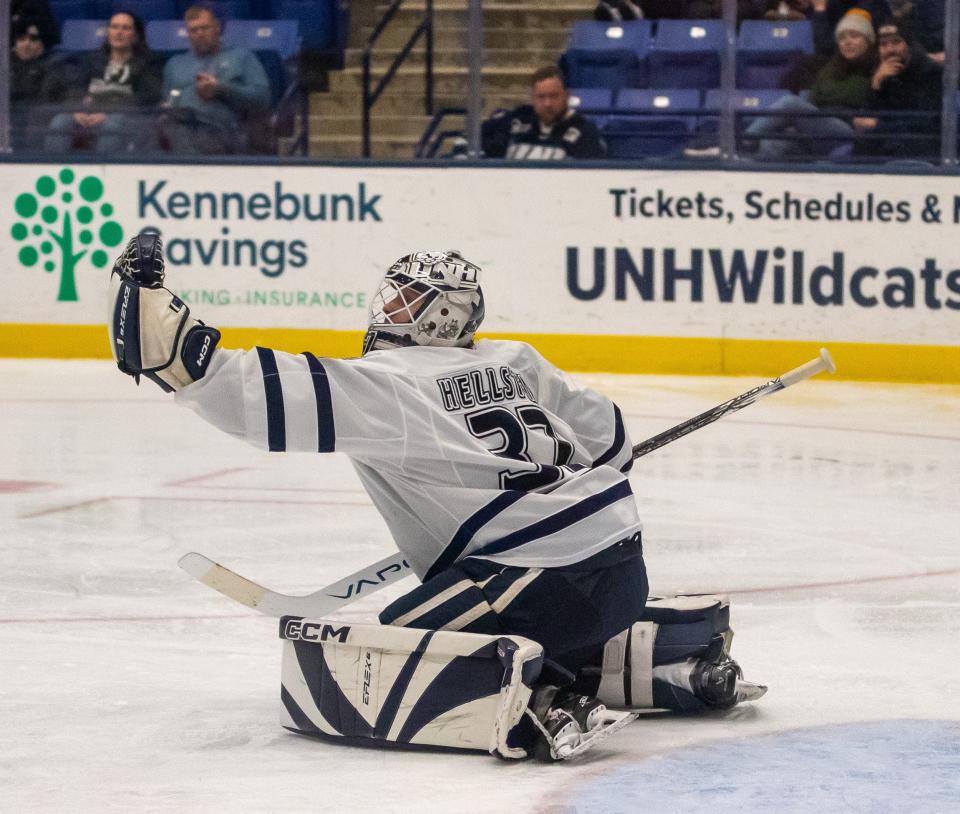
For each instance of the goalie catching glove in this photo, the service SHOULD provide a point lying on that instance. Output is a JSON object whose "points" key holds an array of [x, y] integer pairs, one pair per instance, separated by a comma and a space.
{"points": [[151, 331]]}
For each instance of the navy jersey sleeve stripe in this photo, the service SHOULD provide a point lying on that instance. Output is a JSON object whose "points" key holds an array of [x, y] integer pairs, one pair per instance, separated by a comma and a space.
{"points": [[276, 418], [468, 530], [619, 436], [326, 431], [559, 521]]}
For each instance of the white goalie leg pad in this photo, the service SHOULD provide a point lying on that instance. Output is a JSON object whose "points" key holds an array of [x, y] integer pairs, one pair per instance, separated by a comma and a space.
{"points": [[675, 630], [152, 334], [626, 678], [406, 686]]}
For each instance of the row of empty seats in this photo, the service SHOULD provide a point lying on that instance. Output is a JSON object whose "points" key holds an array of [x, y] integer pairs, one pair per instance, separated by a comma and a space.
{"points": [[681, 53], [323, 24], [647, 123]]}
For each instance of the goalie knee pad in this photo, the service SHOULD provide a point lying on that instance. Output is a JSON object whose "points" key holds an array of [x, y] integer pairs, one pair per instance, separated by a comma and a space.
{"points": [[649, 664], [151, 331], [385, 685]]}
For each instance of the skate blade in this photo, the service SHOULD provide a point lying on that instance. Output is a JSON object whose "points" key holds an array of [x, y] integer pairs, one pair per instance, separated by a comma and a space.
{"points": [[748, 691], [612, 722]]}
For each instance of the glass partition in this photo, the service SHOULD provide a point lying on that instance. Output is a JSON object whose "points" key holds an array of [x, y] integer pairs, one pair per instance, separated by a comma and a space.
{"points": [[798, 82]]}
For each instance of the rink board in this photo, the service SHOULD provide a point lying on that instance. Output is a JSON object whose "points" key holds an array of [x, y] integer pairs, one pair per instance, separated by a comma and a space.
{"points": [[613, 269]]}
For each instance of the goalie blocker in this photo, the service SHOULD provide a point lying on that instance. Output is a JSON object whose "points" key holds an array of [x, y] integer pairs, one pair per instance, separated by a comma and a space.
{"points": [[151, 331]]}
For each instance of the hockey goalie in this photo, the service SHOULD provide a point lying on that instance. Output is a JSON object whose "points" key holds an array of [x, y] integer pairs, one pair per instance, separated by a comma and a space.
{"points": [[504, 484]]}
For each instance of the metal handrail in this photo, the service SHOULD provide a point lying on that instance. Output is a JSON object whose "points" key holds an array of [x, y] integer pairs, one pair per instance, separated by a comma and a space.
{"points": [[426, 149], [370, 97]]}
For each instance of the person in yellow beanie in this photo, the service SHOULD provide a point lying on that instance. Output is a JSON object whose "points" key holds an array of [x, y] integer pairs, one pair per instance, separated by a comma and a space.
{"points": [[842, 86]]}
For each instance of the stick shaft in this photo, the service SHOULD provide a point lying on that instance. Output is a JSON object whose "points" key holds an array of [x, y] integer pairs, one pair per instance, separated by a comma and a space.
{"points": [[798, 374]]}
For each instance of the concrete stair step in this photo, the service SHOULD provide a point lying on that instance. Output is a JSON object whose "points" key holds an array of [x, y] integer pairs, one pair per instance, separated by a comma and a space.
{"points": [[454, 57], [383, 147], [383, 125], [342, 103], [447, 80], [495, 15], [394, 37]]}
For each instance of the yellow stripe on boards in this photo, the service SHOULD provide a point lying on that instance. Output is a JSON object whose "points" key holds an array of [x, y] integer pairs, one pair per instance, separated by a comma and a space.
{"points": [[594, 354]]}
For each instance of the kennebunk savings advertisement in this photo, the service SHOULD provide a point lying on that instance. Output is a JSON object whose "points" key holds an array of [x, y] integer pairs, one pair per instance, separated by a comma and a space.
{"points": [[617, 253]]}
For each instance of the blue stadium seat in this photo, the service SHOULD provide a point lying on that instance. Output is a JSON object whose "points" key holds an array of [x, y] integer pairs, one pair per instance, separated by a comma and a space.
{"points": [[686, 54], [767, 50], [646, 128], [145, 9], [82, 35], [228, 9], [323, 23], [587, 100], [233, 9], [743, 100], [73, 10], [167, 36], [636, 137], [607, 55], [661, 100], [279, 36]]}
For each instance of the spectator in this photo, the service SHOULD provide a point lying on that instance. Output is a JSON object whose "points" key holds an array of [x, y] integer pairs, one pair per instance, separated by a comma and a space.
{"points": [[827, 13], [906, 79], [842, 84], [930, 18], [35, 82], [37, 13], [211, 90], [120, 85], [547, 129]]}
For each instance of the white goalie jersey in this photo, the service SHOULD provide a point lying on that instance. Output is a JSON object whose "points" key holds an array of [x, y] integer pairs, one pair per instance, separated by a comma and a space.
{"points": [[488, 451]]}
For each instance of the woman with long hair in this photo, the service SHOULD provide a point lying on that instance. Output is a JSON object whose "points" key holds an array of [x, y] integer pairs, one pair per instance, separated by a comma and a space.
{"points": [[116, 83]]}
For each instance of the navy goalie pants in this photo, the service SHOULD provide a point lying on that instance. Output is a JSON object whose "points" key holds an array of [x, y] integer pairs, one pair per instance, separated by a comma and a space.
{"points": [[571, 610]]}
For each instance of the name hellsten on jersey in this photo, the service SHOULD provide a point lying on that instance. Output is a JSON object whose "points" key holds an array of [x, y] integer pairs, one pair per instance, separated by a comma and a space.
{"points": [[488, 385]]}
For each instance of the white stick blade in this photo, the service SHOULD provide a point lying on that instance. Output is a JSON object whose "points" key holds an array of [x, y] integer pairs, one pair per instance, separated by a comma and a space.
{"points": [[222, 579]]}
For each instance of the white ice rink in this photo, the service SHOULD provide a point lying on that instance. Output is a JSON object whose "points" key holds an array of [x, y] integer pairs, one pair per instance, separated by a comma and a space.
{"points": [[830, 512]]}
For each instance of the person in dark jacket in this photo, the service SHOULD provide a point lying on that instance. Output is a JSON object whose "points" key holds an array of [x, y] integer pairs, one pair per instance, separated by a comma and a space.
{"points": [[546, 129], [906, 80], [929, 16], [118, 84], [35, 82], [37, 13]]}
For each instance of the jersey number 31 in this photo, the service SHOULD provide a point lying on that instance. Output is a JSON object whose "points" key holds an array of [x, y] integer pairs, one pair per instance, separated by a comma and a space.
{"points": [[512, 433]]}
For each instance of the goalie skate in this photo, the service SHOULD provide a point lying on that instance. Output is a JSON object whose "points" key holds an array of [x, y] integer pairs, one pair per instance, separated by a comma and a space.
{"points": [[574, 724], [720, 683]]}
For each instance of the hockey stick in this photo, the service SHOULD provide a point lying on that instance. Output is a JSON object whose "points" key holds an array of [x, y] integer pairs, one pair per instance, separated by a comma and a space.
{"points": [[798, 374], [319, 603], [393, 568]]}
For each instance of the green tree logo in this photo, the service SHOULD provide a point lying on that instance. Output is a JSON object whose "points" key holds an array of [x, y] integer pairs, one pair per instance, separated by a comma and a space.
{"points": [[40, 213]]}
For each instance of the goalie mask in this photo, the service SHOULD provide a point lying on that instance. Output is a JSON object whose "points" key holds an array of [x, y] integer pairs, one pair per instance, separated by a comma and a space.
{"points": [[426, 298]]}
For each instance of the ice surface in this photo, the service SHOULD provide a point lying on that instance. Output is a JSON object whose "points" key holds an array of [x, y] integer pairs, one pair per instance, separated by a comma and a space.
{"points": [[829, 511]]}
